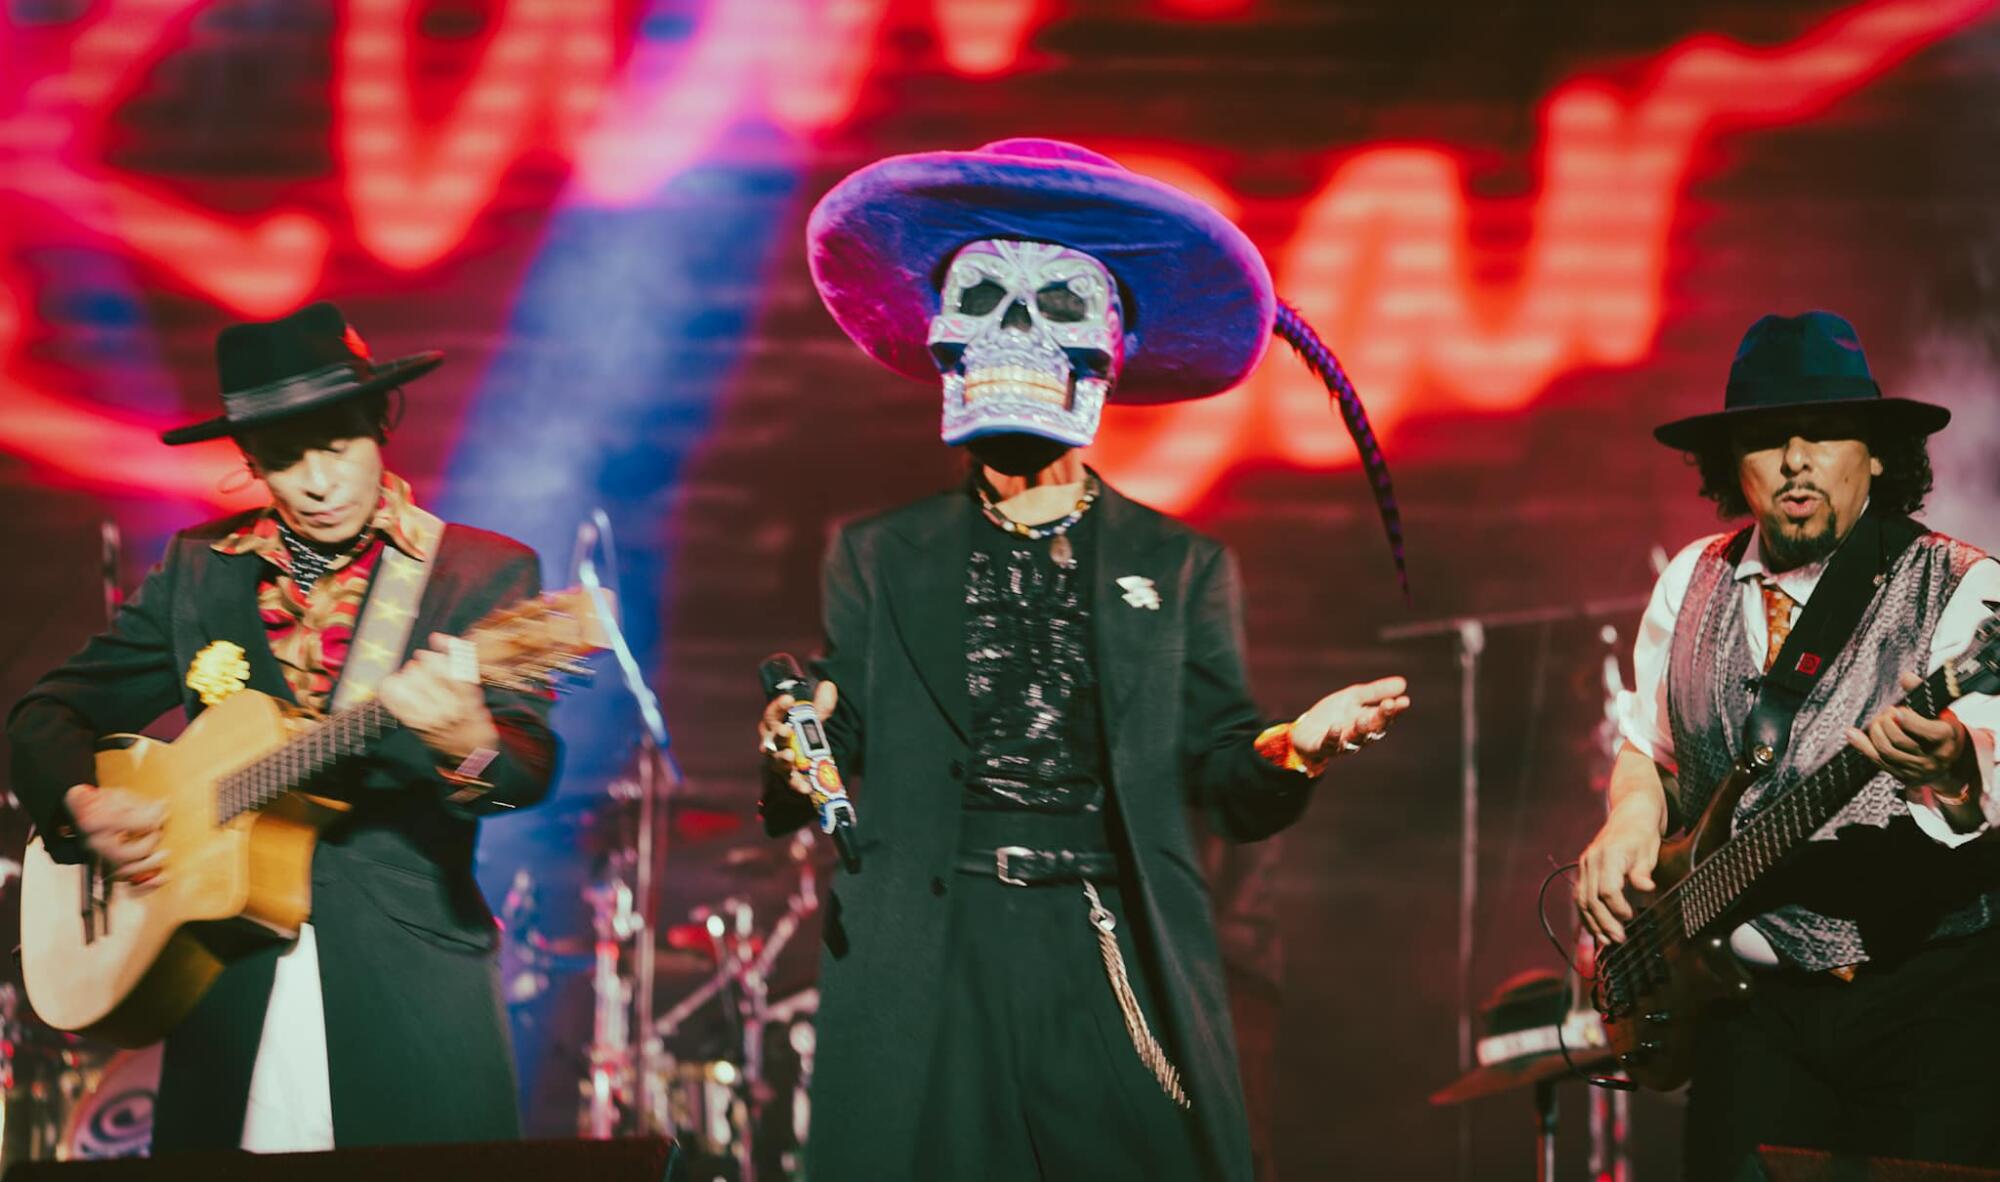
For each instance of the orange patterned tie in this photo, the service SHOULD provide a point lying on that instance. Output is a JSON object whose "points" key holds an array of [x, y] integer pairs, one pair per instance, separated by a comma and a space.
{"points": [[1777, 622]]}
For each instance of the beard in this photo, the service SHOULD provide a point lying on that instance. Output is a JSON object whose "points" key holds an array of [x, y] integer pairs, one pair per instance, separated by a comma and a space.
{"points": [[1016, 453], [1789, 546]]}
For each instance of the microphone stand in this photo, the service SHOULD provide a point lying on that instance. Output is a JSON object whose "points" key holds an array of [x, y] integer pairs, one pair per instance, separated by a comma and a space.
{"points": [[658, 776], [109, 550], [1468, 635]]}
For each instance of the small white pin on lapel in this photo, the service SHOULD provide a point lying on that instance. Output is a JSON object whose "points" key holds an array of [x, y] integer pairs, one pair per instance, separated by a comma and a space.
{"points": [[1140, 592]]}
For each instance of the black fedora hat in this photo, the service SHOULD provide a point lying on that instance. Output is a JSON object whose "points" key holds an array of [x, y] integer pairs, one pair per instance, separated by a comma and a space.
{"points": [[1786, 363], [1530, 1030], [275, 369]]}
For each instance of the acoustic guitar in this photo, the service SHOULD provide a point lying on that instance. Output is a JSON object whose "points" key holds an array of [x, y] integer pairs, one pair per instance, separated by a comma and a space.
{"points": [[1674, 963], [125, 966]]}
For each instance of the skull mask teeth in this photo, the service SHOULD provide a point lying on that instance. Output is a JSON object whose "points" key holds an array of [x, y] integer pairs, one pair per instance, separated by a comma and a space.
{"points": [[1029, 338]]}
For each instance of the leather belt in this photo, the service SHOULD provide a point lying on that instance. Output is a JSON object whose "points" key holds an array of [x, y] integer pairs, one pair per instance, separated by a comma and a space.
{"points": [[1018, 865]]}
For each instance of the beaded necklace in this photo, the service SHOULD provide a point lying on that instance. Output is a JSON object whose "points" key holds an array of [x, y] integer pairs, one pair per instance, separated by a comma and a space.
{"points": [[1061, 551]]}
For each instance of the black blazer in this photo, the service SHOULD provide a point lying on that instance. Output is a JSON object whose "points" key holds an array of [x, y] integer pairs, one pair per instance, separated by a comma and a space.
{"points": [[417, 1042], [1179, 724]]}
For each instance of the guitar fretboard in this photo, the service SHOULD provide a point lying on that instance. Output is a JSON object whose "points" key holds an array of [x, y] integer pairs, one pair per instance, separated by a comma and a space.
{"points": [[348, 732]]}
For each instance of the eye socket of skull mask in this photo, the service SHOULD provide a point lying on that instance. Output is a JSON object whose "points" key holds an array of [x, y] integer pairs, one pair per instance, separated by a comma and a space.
{"points": [[1029, 337]]}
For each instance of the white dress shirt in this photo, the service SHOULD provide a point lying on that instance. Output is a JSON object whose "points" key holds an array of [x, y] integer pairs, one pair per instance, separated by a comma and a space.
{"points": [[291, 1105], [1642, 710]]}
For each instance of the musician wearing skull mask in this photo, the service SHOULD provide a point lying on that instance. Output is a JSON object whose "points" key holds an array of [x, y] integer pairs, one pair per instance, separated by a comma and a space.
{"points": [[1030, 676]]}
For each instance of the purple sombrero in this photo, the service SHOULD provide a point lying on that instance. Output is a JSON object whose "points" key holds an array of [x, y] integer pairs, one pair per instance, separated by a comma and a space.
{"points": [[1197, 297], [1197, 300]]}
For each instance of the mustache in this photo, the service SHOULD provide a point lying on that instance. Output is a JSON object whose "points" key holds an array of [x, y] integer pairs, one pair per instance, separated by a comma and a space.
{"points": [[1792, 487]]}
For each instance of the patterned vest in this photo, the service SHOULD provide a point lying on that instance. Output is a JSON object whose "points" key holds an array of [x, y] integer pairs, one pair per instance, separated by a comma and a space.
{"points": [[1869, 884]]}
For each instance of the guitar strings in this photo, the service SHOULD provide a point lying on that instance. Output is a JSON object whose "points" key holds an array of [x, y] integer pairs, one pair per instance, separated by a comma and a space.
{"points": [[1786, 809]]}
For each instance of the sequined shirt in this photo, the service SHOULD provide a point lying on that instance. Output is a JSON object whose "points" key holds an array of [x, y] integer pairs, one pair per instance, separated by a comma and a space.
{"points": [[310, 632], [1038, 740]]}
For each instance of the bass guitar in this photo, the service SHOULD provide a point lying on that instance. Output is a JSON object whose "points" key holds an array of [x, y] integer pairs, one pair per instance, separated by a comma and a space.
{"points": [[1653, 987]]}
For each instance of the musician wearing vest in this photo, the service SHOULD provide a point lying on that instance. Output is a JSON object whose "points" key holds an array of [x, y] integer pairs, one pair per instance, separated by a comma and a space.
{"points": [[1872, 1020], [382, 1022], [1033, 678]]}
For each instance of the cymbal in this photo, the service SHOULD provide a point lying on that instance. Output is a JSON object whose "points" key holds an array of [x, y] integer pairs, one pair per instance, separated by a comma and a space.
{"points": [[765, 861], [692, 823], [668, 958]]}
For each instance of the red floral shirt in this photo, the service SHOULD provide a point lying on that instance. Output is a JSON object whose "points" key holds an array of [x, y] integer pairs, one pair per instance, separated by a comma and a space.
{"points": [[310, 634]]}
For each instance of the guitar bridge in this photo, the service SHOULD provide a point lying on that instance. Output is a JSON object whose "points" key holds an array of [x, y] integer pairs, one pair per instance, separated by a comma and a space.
{"points": [[96, 901]]}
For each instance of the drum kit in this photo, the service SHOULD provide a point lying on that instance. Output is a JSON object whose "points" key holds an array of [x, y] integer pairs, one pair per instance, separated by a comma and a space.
{"points": [[702, 1071], [723, 1067], [723, 1059]]}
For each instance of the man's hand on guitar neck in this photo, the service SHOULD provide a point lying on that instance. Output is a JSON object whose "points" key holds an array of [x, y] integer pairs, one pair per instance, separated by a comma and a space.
{"points": [[434, 698], [1925, 753], [123, 829], [1626, 849]]}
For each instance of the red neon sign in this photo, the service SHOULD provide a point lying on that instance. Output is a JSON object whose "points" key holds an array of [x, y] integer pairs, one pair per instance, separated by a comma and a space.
{"points": [[1378, 259], [1380, 263]]}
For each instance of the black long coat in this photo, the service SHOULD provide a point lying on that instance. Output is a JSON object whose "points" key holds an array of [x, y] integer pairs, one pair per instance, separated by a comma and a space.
{"points": [[1179, 725], [417, 1046]]}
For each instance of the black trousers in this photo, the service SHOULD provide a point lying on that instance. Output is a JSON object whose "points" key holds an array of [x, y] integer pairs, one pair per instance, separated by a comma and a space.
{"points": [[1033, 1076], [1902, 1062]]}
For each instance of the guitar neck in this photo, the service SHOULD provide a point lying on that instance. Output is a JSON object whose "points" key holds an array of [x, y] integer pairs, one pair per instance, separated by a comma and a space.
{"points": [[1791, 818], [347, 733], [525, 647]]}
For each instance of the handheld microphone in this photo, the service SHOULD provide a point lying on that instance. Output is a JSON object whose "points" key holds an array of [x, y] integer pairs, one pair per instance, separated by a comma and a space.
{"points": [[812, 755]]}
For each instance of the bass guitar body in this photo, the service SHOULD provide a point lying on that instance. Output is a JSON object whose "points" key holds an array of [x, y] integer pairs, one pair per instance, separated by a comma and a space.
{"points": [[125, 965], [1670, 987], [1653, 988]]}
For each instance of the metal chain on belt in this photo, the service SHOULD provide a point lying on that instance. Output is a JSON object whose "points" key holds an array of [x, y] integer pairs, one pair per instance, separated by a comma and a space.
{"points": [[1151, 1053]]}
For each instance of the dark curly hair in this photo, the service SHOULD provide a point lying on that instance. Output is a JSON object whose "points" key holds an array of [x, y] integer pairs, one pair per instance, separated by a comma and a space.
{"points": [[1901, 488]]}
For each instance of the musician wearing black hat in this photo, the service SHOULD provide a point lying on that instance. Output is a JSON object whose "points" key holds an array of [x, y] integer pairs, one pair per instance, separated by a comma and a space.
{"points": [[1873, 1020], [382, 1022]]}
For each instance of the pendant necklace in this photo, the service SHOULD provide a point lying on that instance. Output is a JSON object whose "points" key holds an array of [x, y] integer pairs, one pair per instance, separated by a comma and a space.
{"points": [[1061, 550]]}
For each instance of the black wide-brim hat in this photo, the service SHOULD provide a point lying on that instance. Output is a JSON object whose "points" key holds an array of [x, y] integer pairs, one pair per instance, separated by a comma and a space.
{"points": [[1789, 363], [1518, 1043], [274, 370]]}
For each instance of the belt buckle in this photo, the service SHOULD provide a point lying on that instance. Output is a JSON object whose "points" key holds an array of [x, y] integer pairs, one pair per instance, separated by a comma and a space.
{"points": [[1000, 857]]}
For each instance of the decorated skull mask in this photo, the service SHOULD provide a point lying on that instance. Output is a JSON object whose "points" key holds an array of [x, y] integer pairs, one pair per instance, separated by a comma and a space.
{"points": [[1029, 337]]}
